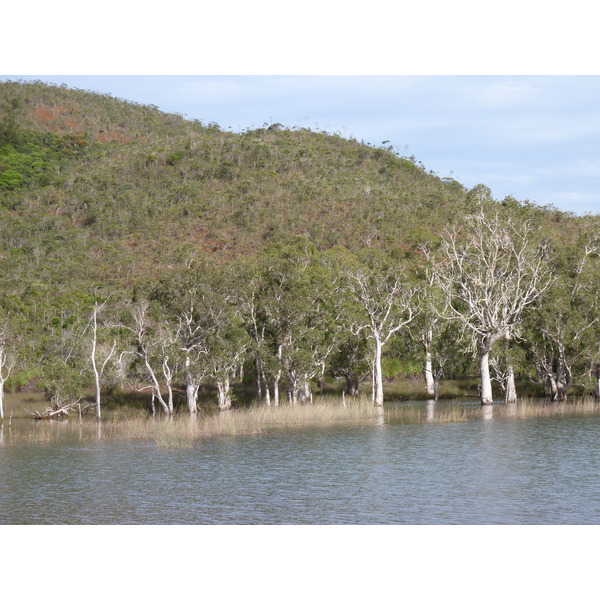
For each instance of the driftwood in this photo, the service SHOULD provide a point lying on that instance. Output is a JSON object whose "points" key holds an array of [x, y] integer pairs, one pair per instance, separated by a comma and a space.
{"points": [[55, 412]]}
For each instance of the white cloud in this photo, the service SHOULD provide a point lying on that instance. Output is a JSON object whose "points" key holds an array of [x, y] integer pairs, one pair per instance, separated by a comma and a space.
{"points": [[494, 94]]}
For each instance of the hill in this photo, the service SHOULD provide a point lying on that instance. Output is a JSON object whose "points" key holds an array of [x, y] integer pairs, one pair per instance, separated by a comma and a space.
{"points": [[118, 175], [98, 192]]}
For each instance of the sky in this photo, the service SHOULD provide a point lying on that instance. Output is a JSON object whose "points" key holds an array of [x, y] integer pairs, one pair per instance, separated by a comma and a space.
{"points": [[536, 138]]}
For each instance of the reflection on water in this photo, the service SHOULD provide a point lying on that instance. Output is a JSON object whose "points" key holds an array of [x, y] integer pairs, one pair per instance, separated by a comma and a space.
{"points": [[487, 412], [430, 410], [481, 470]]}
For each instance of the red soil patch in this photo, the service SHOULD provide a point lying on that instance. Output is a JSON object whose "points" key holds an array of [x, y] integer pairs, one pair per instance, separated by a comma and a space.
{"points": [[55, 119], [43, 114], [51, 119]]}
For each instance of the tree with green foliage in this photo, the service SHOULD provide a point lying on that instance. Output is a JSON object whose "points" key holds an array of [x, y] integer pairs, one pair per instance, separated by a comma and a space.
{"points": [[438, 341], [228, 342], [155, 349], [350, 361], [256, 326], [589, 307], [430, 327], [561, 333], [292, 317], [62, 351], [508, 360], [185, 294], [385, 301], [446, 346]]}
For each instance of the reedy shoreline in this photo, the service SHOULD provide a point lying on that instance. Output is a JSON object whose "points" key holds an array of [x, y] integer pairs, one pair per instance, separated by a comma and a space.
{"points": [[184, 430]]}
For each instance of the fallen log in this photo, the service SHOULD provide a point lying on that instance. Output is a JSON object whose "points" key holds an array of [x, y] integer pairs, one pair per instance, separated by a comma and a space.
{"points": [[55, 412]]}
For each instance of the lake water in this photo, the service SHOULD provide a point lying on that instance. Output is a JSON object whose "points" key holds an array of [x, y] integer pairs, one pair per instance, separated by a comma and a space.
{"points": [[482, 471]]}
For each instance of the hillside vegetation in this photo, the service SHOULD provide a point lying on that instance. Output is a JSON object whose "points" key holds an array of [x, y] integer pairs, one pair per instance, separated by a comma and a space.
{"points": [[101, 198], [118, 172]]}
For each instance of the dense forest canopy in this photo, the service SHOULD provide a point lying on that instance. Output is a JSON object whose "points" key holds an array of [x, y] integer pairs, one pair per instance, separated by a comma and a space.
{"points": [[141, 247]]}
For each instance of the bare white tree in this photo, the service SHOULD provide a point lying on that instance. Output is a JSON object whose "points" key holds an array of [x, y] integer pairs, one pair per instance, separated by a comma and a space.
{"points": [[100, 355], [388, 303], [6, 365], [490, 271], [150, 343], [191, 334]]}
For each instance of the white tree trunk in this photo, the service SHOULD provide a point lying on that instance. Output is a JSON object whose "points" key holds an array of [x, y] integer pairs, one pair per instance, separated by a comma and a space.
{"points": [[96, 374], [553, 388], [304, 393], [191, 387], [155, 384], [293, 387], [276, 379], [168, 374], [170, 396], [486, 380], [94, 366], [223, 392], [373, 384], [1, 398], [378, 373], [558, 389], [510, 393], [97, 378], [259, 393], [169, 401], [266, 388], [191, 392], [276, 389], [510, 390], [429, 382]]}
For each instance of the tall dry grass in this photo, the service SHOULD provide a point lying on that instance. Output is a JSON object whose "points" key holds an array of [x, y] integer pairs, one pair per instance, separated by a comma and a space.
{"points": [[255, 420], [534, 407], [185, 430]]}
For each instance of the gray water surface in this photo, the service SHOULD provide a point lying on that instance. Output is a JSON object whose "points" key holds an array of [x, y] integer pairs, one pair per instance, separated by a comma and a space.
{"points": [[500, 471]]}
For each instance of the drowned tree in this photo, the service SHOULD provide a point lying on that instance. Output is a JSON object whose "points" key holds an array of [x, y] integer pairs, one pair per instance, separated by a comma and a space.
{"points": [[490, 269]]}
